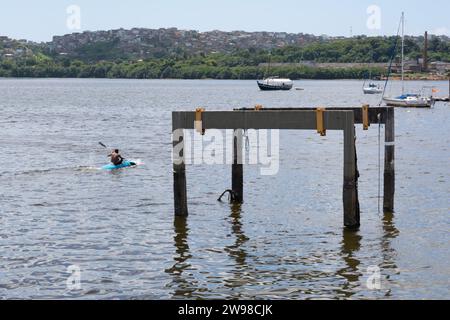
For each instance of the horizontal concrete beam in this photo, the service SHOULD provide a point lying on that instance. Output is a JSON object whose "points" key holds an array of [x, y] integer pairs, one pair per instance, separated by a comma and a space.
{"points": [[264, 119], [373, 112]]}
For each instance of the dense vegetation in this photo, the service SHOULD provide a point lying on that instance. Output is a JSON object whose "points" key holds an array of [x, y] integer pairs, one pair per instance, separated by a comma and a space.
{"points": [[102, 61], [363, 49], [166, 69]]}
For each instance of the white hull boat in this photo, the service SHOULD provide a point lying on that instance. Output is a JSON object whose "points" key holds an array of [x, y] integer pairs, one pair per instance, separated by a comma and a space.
{"points": [[373, 89], [410, 101], [274, 83]]}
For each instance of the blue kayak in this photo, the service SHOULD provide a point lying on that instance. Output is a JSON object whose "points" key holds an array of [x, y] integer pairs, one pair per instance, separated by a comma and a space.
{"points": [[124, 164]]}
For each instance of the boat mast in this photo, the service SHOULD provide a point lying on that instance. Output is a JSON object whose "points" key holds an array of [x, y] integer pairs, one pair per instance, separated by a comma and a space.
{"points": [[268, 66], [403, 53]]}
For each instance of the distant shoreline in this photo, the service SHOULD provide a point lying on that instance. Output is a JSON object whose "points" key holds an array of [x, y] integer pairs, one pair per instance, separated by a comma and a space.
{"points": [[393, 78]]}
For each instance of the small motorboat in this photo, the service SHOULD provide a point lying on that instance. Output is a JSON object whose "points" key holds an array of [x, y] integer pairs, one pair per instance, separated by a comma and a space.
{"points": [[275, 83], [373, 89]]}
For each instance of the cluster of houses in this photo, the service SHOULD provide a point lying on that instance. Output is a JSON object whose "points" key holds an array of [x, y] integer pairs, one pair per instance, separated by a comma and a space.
{"points": [[144, 40], [143, 43], [10, 48]]}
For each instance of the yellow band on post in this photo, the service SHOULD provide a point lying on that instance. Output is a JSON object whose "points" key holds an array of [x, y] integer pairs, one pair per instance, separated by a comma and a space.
{"points": [[320, 122], [199, 121], [365, 117]]}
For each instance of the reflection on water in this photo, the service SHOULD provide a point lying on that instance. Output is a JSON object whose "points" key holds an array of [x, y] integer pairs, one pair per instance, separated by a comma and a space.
{"points": [[390, 232], [243, 273], [240, 271], [180, 283], [351, 244], [355, 269], [183, 284], [236, 251]]}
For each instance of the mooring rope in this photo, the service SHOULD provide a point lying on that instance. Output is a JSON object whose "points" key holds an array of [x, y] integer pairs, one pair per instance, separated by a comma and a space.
{"points": [[231, 196], [247, 140], [245, 133]]}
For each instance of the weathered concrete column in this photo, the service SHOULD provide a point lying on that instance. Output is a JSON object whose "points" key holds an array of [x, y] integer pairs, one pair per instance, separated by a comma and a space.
{"points": [[350, 194], [237, 171], [389, 161], [179, 167]]}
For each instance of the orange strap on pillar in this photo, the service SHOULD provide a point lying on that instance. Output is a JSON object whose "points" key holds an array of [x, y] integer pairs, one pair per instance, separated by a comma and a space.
{"points": [[258, 107], [365, 116], [199, 121], [320, 122]]}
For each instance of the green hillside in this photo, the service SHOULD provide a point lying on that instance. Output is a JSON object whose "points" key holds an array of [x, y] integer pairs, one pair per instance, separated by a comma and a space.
{"points": [[104, 60]]}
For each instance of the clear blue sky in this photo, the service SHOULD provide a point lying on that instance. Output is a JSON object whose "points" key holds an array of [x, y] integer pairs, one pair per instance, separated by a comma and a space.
{"points": [[40, 20]]}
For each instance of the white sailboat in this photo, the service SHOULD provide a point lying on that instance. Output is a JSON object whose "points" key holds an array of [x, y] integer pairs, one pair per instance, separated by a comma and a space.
{"points": [[274, 83], [408, 99], [372, 88], [411, 100]]}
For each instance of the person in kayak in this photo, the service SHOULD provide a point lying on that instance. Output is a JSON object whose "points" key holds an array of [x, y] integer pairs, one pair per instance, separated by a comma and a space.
{"points": [[116, 158]]}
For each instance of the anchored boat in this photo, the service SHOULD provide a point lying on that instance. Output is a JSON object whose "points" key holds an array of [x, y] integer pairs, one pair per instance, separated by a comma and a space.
{"points": [[275, 83], [372, 89], [408, 99]]}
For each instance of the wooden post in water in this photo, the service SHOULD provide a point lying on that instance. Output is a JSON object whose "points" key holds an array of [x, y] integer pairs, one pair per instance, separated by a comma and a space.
{"points": [[389, 161], [179, 167], [237, 171], [350, 194]]}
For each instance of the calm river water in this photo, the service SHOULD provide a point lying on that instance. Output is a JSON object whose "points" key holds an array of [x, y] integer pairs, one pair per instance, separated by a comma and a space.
{"points": [[58, 212]]}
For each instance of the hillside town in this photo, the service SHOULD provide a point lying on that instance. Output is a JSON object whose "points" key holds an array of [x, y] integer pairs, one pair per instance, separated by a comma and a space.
{"points": [[141, 43], [146, 41]]}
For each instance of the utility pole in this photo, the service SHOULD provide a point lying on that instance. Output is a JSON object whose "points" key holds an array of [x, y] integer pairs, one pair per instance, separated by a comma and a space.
{"points": [[425, 53], [403, 53]]}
